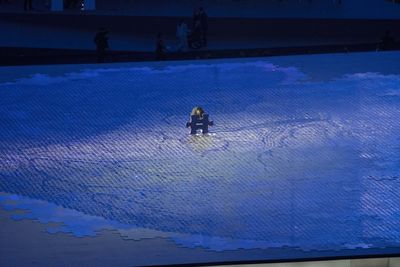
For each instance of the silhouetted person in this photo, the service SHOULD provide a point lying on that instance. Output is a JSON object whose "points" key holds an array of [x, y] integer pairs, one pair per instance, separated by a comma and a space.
{"points": [[195, 40], [28, 5], [73, 3], [160, 47], [204, 25], [101, 41], [182, 35], [388, 41], [196, 16]]}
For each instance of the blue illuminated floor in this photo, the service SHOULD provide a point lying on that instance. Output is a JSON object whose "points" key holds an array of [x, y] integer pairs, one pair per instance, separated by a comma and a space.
{"points": [[304, 156]]}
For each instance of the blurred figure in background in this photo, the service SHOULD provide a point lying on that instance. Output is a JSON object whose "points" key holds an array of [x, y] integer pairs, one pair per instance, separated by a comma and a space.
{"points": [[101, 41], [72, 3], [195, 39], [182, 35], [387, 41], [198, 34], [160, 47], [204, 25], [28, 5], [196, 17]]}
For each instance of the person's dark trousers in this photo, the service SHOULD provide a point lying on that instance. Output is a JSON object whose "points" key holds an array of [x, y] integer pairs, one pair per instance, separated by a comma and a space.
{"points": [[204, 37], [101, 55], [28, 5], [160, 55]]}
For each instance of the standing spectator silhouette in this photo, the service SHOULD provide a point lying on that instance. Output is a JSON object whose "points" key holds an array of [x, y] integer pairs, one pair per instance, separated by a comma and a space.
{"points": [[196, 17], [195, 40], [160, 47], [72, 3], [388, 41], [204, 25], [198, 35], [182, 35], [101, 41], [28, 5]]}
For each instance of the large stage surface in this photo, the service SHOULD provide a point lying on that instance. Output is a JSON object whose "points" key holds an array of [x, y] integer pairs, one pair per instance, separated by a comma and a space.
{"points": [[97, 167]]}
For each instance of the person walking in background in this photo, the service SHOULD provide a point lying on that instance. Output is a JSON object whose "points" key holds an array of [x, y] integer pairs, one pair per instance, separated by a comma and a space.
{"points": [[160, 47], [196, 17], [387, 41], [195, 39], [73, 4], [101, 41], [204, 25], [28, 5], [182, 35]]}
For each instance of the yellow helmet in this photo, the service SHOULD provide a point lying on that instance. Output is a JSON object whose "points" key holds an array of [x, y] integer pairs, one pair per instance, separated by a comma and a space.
{"points": [[198, 111]]}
